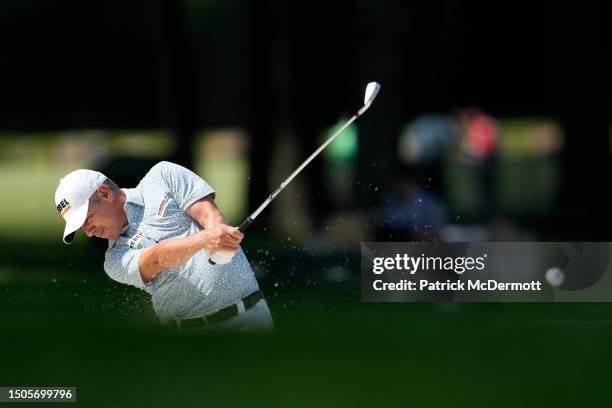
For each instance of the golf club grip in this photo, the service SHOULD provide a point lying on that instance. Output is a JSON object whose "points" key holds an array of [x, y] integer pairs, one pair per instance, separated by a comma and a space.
{"points": [[245, 224]]}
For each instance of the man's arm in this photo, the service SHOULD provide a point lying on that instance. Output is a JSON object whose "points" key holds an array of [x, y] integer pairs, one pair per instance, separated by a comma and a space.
{"points": [[216, 237], [205, 212], [175, 252]]}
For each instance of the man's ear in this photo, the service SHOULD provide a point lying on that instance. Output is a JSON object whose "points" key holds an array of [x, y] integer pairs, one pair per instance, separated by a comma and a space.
{"points": [[104, 192]]}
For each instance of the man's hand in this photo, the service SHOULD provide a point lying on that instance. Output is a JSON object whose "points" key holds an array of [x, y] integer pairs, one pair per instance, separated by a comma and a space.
{"points": [[221, 238]]}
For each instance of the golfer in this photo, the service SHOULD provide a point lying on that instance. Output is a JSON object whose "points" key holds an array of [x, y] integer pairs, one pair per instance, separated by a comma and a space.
{"points": [[161, 235]]}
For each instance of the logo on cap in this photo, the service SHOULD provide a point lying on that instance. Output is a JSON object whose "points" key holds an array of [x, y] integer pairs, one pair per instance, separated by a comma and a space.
{"points": [[63, 207]]}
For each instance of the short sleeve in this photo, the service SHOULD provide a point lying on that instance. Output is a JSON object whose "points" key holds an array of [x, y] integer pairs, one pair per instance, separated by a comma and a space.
{"points": [[121, 264], [186, 186]]}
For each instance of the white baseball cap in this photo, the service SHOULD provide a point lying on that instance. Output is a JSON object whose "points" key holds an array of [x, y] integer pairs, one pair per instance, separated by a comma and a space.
{"points": [[72, 198]]}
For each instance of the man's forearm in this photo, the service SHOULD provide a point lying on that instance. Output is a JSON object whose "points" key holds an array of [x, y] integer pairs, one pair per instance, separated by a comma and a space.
{"points": [[216, 236], [213, 218], [206, 213], [169, 254]]}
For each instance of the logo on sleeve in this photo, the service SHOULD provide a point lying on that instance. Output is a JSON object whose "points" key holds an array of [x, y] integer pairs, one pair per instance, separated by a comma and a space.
{"points": [[136, 241], [164, 203], [63, 207]]}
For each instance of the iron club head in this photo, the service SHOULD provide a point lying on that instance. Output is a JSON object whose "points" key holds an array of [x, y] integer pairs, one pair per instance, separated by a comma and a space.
{"points": [[371, 92]]}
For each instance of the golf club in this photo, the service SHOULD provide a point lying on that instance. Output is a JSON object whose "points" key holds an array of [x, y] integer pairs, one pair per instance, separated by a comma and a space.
{"points": [[371, 91]]}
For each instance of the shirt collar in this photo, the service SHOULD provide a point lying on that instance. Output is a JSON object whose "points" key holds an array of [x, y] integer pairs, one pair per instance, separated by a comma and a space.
{"points": [[133, 196]]}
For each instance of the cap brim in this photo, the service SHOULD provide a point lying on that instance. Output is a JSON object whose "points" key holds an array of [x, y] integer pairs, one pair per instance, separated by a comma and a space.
{"points": [[74, 222]]}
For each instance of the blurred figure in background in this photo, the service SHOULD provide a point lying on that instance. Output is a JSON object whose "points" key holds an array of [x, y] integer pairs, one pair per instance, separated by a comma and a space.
{"points": [[477, 149], [412, 210]]}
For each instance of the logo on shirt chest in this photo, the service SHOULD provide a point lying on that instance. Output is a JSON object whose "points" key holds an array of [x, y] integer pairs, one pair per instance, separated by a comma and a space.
{"points": [[136, 241], [164, 204]]}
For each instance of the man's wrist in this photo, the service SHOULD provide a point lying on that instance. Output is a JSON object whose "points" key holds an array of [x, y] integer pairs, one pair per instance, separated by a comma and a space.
{"points": [[202, 240]]}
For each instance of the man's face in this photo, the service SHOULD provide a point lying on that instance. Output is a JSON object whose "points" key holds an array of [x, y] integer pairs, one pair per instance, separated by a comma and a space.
{"points": [[103, 215]]}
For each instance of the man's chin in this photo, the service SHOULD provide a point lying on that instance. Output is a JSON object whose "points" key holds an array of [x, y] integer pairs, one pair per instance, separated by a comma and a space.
{"points": [[111, 237]]}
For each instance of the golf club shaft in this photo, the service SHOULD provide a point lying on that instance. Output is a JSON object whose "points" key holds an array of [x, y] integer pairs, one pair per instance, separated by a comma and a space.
{"points": [[249, 220], [371, 91]]}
